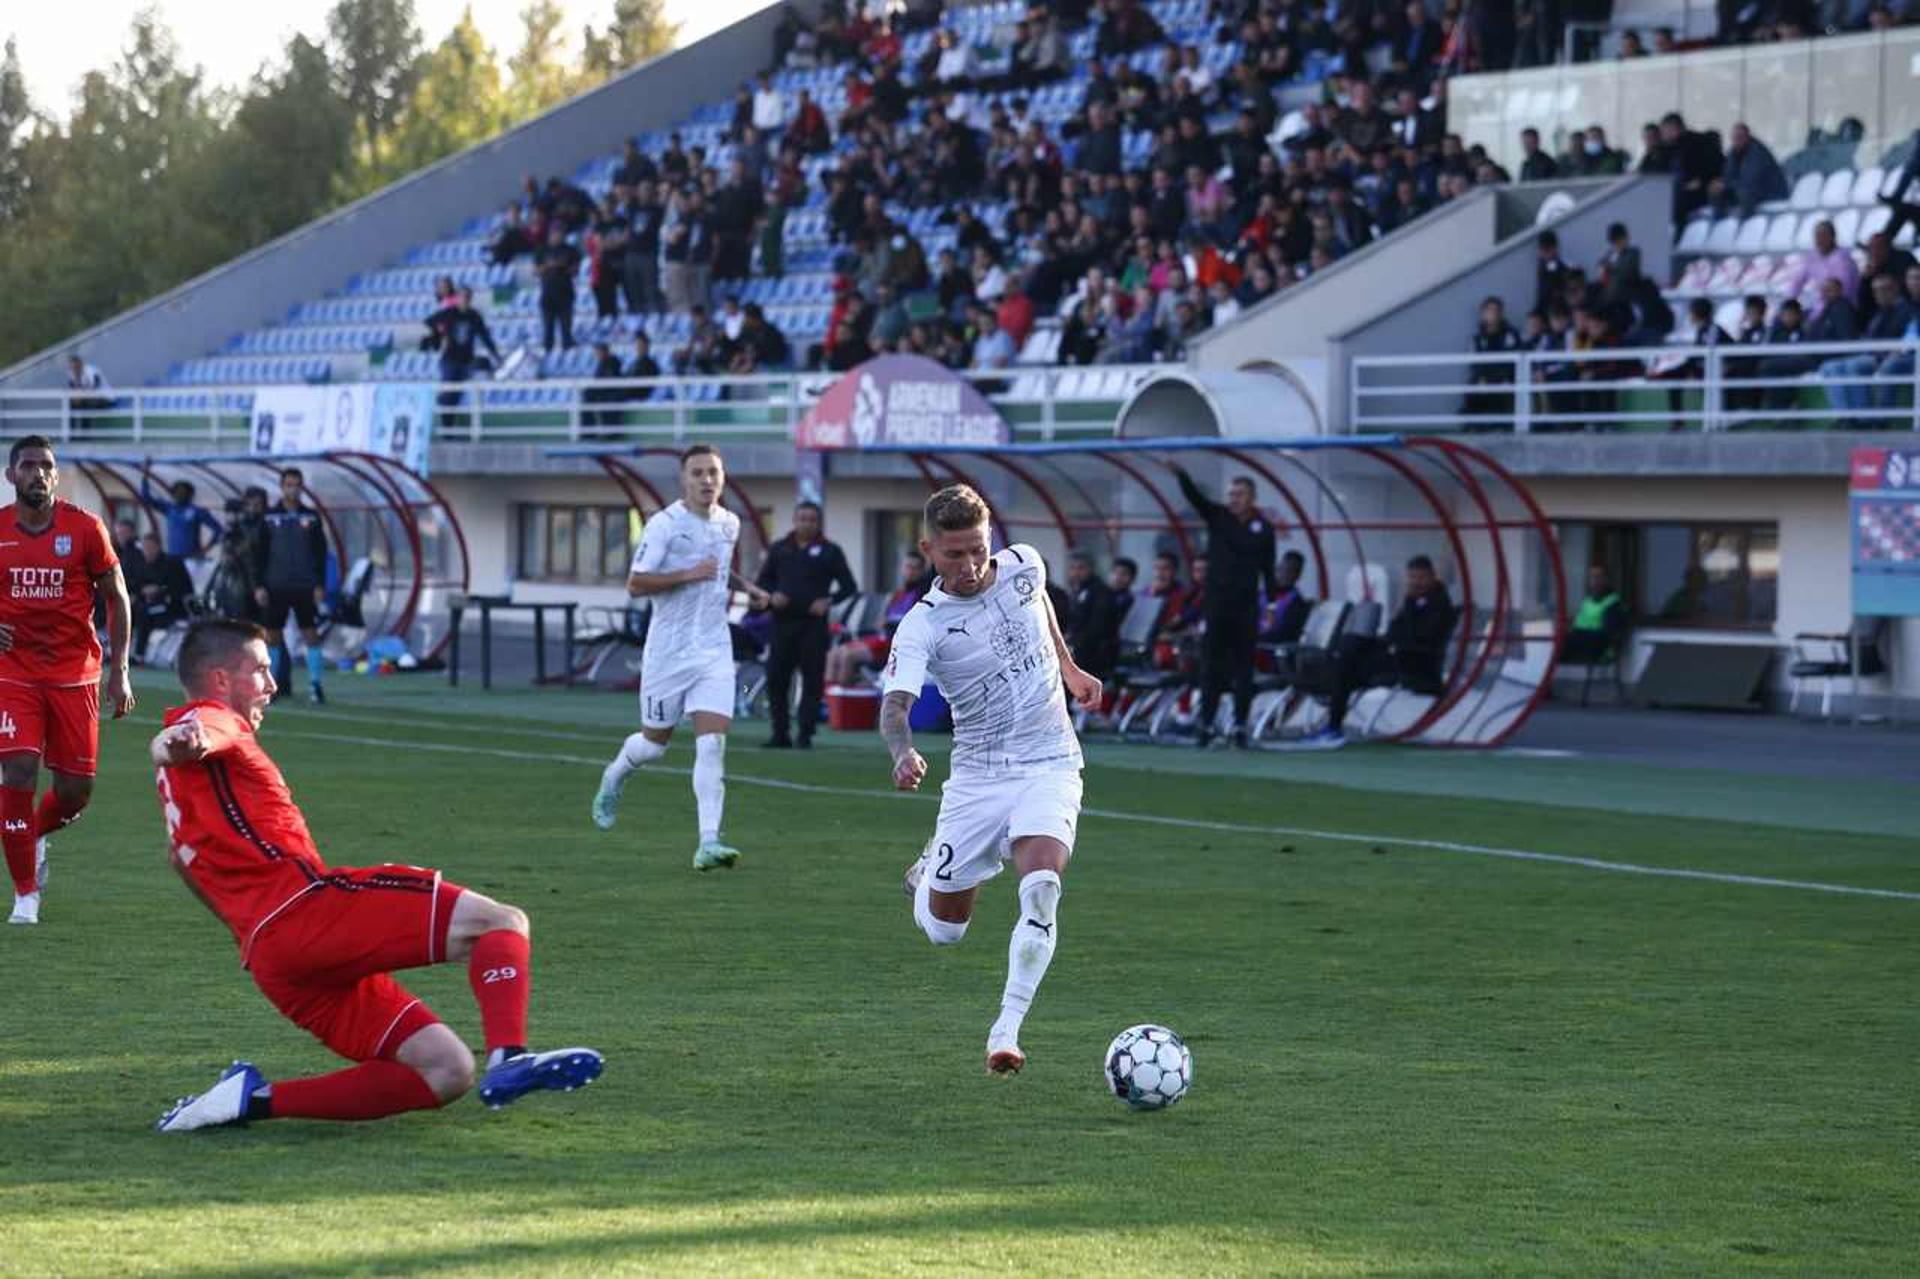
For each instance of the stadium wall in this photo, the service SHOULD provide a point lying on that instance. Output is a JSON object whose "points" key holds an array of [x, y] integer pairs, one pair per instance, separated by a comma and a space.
{"points": [[259, 288], [1781, 90]]}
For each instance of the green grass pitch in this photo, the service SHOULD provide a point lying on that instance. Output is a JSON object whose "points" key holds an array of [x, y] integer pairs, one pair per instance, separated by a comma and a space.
{"points": [[1408, 1060]]}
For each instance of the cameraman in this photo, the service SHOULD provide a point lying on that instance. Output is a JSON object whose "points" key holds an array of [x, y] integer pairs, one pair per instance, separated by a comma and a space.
{"points": [[234, 579]]}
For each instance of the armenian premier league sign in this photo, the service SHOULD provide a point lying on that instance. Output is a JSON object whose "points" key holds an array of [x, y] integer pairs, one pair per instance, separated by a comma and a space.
{"points": [[901, 399]]}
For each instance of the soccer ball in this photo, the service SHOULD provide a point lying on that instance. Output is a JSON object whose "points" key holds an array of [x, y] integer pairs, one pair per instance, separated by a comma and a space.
{"points": [[1148, 1067]]}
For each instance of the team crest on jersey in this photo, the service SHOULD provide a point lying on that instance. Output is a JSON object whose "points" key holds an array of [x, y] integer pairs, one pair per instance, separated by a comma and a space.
{"points": [[1009, 640], [62, 544], [1025, 585]]}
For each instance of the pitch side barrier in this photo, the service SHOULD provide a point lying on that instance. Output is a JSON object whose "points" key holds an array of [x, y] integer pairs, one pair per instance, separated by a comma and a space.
{"points": [[396, 541], [1356, 508]]}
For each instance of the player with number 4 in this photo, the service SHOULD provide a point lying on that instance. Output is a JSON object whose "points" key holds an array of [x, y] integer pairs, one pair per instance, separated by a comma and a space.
{"points": [[986, 634]]}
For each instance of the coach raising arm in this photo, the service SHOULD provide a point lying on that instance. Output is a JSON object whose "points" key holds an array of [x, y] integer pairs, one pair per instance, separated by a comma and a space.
{"points": [[1239, 561]]}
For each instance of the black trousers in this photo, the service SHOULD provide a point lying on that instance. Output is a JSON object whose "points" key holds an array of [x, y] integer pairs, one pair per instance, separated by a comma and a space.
{"points": [[556, 315], [1226, 656], [798, 643]]}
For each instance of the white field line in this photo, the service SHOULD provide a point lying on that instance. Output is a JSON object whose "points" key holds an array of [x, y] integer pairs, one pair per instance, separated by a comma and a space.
{"points": [[1149, 819]]}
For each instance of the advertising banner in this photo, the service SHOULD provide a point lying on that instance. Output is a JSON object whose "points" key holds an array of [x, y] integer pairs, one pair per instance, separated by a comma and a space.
{"points": [[391, 420], [1885, 534], [901, 399]]}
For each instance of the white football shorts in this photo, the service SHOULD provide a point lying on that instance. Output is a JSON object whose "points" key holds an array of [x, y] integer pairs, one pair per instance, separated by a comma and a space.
{"points": [[980, 817], [668, 696]]}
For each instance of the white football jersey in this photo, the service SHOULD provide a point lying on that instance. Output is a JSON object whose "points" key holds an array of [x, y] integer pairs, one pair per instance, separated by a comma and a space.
{"points": [[992, 657], [689, 623]]}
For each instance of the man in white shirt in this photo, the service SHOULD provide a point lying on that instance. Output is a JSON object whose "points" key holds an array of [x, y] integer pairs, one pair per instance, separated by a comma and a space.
{"points": [[986, 634], [683, 565], [769, 108], [84, 377]]}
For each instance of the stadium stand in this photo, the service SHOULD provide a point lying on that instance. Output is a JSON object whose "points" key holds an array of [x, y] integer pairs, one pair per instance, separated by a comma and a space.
{"points": [[1115, 165]]}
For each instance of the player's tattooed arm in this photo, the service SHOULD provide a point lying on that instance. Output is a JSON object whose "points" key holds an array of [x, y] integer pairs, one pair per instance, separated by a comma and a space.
{"points": [[112, 587], [909, 766]]}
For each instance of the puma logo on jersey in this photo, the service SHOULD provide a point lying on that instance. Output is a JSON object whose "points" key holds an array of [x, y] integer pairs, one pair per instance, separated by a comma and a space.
{"points": [[1045, 928], [956, 630]]}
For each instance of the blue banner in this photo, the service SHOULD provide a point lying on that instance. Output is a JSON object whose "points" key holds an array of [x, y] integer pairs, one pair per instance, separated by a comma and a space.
{"points": [[402, 424]]}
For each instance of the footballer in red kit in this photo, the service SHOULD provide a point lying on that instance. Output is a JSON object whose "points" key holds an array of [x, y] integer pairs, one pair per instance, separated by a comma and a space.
{"points": [[55, 561], [322, 942]]}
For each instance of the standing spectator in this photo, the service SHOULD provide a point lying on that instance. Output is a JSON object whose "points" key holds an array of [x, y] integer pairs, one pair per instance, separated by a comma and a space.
{"points": [[1751, 175], [769, 108], [160, 593], [641, 265], [1537, 165], [1619, 267], [1697, 161], [1903, 194], [92, 385], [1494, 336], [606, 259], [804, 576], [1240, 555], [556, 264], [459, 331], [736, 212], [688, 253], [184, 517], [291, 569], [1549, 272], [1090, 623]]}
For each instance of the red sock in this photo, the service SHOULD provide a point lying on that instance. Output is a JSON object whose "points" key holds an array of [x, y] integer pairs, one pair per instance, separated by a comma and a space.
{"points": [[56, 812], [371, 1090], [18, 838], [502, 982]]}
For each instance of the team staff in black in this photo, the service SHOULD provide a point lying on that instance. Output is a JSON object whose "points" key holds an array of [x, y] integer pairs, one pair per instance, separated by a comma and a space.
{"points": [[291, 567], [1240, 549], [804, 575]]}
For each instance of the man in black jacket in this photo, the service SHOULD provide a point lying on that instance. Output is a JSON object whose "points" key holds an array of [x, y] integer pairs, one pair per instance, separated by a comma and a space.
{"points": [[556, 264], [291, 567], [459, 331], [160, 592], [1091, 624], [1413, 654], [804, 575], [1239, 561]]}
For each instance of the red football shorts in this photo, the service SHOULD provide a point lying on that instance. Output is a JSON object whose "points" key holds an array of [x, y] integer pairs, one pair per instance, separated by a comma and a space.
{"points": [[61, 724], [325, 963]]}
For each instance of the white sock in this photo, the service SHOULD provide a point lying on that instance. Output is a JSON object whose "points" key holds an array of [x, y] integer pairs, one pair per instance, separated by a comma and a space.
{"points": [[941, 932], [1031, 949], [710, 781], [637, 750]]}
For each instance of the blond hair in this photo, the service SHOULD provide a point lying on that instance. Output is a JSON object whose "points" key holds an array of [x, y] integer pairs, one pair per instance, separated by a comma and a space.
{"points": [[954, 509]]}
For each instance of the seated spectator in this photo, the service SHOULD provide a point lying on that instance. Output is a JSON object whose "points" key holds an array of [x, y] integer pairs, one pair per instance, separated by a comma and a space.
{"points": [[858, 653], [512, 239], [126, 542], [1788, 329], [1589, 155], [1599, 623], [606, 366], [1535, 165], [1283, 612], [1619, 267], [1697, 161], [1090, 623], [185, 518], [1701, 331], [642, 365], [160, 591], [1851, 375], [1753, 332], [761, 345], [1882, 259], [992, 347], [1412, 654], [1120, 580], [1751, 175]]}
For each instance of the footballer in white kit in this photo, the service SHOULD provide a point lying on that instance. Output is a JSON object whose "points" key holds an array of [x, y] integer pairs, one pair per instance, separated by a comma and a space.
{"points": [[684, 566], [986, 634]]}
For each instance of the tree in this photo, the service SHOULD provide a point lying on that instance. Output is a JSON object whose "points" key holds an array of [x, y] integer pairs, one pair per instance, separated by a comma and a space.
{"points": [[284, 156], [639, 31], [17, 120], [457, 100], [541, 77], [377, 44]]}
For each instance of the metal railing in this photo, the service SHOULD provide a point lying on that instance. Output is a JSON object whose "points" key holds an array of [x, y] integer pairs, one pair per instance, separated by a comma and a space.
{"points": [[1046, 403], [1832, 385]]}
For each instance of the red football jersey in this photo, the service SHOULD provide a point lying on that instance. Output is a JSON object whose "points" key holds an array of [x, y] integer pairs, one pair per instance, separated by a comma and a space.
{"points": [[234, 826], [46, 595]]}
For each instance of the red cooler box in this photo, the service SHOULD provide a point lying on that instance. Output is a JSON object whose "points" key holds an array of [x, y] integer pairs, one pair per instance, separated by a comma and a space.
{"points": [[853, 708]]}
